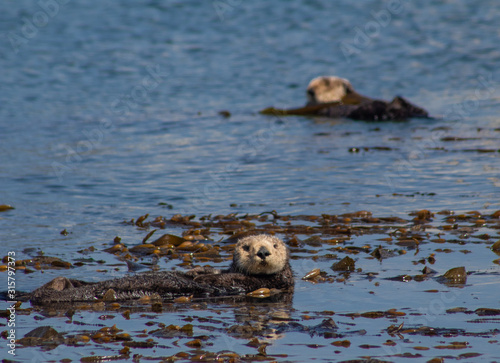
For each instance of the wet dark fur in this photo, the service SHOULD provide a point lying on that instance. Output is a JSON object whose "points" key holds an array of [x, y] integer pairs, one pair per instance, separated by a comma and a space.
{"points": [[377, 110], [199, 282]]}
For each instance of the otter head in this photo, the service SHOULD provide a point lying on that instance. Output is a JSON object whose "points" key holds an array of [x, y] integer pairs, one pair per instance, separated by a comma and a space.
{"points": [[260, 254], [327, 89]]}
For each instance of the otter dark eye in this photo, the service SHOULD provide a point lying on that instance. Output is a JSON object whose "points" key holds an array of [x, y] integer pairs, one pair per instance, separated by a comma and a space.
{"points": [[246, 248], [275, 245]]}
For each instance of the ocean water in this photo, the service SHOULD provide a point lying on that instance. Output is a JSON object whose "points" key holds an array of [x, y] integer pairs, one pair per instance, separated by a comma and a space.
{"points": [[109, 111]]}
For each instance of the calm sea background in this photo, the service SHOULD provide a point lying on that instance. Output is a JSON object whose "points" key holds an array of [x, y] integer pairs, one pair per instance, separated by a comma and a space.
{"points": [[110, 110]]}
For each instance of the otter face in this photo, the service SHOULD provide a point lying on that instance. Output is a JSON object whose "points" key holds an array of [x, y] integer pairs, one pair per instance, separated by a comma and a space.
{"points": [[260, 254], [328, 89]]}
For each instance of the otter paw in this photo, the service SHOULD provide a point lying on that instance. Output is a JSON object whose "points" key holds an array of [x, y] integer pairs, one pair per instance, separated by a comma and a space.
{"points": [[58, 284], [202, 270]]}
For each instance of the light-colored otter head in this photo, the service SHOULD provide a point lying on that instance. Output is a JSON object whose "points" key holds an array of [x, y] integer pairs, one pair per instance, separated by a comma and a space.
{"points": [[260, 254], [327, 89]]}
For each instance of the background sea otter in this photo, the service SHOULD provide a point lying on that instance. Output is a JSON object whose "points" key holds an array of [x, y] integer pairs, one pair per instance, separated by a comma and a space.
{"points": [[259, 261], [326, 90], [335, 97]]}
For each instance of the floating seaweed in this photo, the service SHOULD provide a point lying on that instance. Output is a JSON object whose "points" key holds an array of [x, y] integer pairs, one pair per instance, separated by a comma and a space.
{"points": [[354, 243]]}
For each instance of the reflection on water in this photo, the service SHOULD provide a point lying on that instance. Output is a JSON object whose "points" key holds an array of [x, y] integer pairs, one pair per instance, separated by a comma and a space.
{"points": [[399, 292]]}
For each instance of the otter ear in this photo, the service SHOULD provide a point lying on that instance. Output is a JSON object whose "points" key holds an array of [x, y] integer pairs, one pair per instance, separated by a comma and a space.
{"points": [[348, 88], [246, 248]]}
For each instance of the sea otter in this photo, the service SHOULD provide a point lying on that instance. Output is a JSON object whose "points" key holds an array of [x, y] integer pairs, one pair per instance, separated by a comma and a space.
{"points": [[333, 96], [259, 261]]}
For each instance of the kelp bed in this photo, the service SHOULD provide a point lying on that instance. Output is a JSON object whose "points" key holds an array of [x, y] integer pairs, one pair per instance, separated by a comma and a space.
{"points": [[367, 287]]}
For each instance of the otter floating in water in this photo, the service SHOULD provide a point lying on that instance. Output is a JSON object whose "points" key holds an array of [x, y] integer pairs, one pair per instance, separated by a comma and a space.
{"points": [[332, 96], [259, 261]]}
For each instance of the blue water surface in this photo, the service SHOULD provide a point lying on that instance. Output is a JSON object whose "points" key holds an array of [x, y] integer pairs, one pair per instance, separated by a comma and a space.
{"points": [[110, 110]]}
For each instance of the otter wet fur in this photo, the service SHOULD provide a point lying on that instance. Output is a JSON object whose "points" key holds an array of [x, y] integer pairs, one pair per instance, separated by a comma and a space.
{"points": [[335, 97], [330, 89], [259, 261]]}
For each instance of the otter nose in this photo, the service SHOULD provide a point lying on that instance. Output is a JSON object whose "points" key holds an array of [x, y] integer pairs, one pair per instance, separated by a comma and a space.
{"points": [[311, 93], [263, 253]]}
